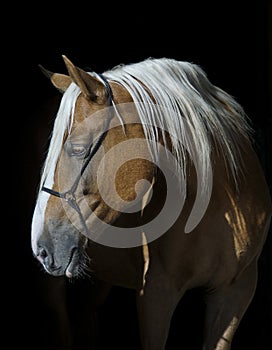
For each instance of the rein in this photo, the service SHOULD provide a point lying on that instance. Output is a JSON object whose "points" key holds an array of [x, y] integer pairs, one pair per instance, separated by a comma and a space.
{"points": [[69, 196]]}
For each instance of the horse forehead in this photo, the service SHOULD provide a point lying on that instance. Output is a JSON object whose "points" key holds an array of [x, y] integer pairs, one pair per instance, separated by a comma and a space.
{"points": [[85, 108]]}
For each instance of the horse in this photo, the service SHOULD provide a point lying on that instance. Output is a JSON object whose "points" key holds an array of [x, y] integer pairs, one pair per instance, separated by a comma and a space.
{"points": [[151, 182]]}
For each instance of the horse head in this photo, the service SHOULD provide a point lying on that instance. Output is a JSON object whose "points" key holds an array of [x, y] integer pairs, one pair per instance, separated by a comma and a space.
{"points": [[83, 191]]}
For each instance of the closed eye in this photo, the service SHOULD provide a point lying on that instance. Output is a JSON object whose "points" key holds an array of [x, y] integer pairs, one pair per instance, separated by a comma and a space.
{"points": [[77, 150]]}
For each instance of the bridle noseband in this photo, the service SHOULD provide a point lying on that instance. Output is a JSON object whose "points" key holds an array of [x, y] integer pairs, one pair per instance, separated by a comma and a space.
{"points": [[69, 196]]}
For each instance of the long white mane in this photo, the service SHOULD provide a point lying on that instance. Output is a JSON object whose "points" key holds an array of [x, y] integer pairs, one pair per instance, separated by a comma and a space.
{"points": [[187, 97]]}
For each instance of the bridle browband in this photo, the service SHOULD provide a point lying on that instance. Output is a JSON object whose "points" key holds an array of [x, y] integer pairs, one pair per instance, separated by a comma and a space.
{"points": [[69, 196]]}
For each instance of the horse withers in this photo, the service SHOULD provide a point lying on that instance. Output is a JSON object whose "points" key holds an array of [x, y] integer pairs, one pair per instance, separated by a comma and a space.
{"points": [[151, 183]]}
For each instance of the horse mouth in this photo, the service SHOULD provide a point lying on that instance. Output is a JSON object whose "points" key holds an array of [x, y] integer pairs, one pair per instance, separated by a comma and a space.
{"points": [[72, 268]]}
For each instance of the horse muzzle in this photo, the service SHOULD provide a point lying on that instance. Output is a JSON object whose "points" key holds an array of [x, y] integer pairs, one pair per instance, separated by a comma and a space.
{"points": [[61, 257], [68, 267]]}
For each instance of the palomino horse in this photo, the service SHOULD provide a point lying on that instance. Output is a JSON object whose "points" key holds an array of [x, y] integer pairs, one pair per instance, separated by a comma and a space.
{"points": [[151, 183]]}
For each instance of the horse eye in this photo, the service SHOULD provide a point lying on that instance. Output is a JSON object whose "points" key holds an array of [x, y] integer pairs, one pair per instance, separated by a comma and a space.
{"points": [[78, 150]]}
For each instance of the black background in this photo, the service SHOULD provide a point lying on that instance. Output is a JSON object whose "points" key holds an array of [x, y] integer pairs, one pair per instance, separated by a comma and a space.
{"points": [[231, 41]]}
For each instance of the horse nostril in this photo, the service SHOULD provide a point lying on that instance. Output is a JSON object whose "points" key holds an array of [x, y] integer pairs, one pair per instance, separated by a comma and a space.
{"points": [[42, 253], [46, 258]]}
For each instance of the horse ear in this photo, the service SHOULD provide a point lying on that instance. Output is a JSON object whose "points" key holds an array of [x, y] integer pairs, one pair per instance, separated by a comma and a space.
{"points": [[91, 87], [60, 81]]}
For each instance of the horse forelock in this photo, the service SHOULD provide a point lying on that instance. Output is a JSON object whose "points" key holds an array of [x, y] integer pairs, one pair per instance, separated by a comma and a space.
{"points": [[187, 97], [63, 124]]}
